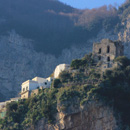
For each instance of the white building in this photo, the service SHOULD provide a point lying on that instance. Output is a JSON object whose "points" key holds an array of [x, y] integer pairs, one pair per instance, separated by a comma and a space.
{"points": [[33, 84], [16, 99], [2, 105], [60, 68]]}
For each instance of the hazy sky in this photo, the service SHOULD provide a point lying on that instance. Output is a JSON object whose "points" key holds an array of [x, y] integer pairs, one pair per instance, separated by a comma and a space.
{"points": [[91, 3]]}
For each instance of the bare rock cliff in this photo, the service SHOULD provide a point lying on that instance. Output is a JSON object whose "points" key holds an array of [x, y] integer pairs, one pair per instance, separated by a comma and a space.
{"points": [[124, 35], [92, 116]]}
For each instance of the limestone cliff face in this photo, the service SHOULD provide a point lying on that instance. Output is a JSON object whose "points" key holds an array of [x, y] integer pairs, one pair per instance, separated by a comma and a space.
{"points": [[92, 116], [124, 35], [20, 62]]}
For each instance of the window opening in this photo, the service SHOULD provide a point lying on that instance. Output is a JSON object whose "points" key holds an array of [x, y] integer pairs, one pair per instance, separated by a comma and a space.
{"points": [[108, 49], [108, 59], [100, 51], [23, 89]]}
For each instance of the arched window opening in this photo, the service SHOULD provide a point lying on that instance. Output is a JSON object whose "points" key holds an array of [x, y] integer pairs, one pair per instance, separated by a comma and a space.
{"points": [[108, 59], [108, 49], [99, 51]]}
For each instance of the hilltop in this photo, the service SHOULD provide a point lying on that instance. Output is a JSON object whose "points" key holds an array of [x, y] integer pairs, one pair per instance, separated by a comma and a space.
{"points": [[35, 36], [83, 98]]}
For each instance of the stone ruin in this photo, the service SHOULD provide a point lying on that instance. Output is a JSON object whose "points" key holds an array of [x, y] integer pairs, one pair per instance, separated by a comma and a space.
{"points": [[106, 51]]}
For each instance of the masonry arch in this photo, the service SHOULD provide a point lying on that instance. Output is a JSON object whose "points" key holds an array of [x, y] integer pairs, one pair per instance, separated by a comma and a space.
{"points": [[99, 51], [108, 59]]}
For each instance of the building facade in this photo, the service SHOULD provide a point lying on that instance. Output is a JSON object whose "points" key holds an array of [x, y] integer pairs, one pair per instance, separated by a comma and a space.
{"points": [[106, 51], [35, 83]]}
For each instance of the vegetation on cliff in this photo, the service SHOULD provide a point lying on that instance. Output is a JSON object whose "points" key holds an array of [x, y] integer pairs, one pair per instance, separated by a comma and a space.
{"points": [[82, 84]]}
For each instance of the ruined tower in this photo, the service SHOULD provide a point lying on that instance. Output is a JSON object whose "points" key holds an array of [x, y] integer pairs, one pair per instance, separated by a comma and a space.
{"points": [[106, 51]]}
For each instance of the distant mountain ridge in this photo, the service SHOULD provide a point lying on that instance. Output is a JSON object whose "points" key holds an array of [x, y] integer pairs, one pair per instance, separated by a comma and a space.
{"points": [[36, 20], [52, 24]]}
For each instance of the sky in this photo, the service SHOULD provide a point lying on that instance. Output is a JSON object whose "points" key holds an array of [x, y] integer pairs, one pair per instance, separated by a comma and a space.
{"points": [[82, 4]]}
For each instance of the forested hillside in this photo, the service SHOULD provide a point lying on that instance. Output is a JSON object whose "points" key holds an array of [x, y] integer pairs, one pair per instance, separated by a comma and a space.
{"points": [[52, 25]]}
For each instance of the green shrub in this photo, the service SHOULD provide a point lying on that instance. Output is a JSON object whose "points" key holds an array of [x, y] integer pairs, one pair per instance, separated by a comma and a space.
{"points": [[75, 64], [68, 94], [86, 61], [65, 76], [56, 83], [123, 60], [113, 89]]}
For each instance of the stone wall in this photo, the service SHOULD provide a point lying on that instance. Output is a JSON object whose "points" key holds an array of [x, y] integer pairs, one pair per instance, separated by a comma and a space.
{"points": [[25, 95], [106, 51], [108, 48]]}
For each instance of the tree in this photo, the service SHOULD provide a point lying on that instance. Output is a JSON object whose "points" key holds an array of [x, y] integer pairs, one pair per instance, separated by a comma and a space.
{"points": [[123, 60], [56, 83], [65, 76]]}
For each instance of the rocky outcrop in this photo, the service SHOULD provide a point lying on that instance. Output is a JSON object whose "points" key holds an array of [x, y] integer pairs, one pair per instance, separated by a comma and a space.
{"points": [[94, 115], [124, 35]]}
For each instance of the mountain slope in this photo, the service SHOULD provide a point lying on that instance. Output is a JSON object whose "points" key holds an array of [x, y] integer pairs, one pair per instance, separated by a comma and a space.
{"points": [[51, 24], [84, 98], [47, 33], [41, 21]]}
